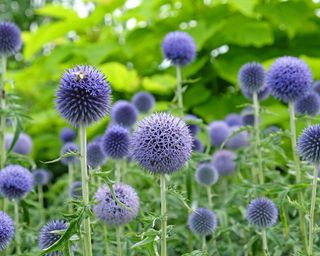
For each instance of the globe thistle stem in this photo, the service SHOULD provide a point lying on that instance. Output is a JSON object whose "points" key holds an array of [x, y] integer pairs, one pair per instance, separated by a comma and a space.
{"points": [[119, 245], [209, 196], [264, 241], [163, 215], [204, 244], [85, 189], [2, 115], [118, 170], [179, 92], [106, 243], [298, 172], [256, 107], [17, 228], [312, 208], [41, 203], [70, 177]]}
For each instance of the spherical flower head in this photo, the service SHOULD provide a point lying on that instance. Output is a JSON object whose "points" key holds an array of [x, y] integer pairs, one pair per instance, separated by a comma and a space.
{"points": [[193, 129], [83, 96], [251, 77], [289, 78], [219, 131], [197, 145], [67, 135], [47, 237], [224, 162], [116, 142], [316, 87], [202, 222], [262, 213], [239, 140], [143, 101], [110, 211], [95, 154], [41, 177], [69, 148], [309, 144], [248, 116], [6, 230], [263, 93], [161, 143], [308, 104], [75, 190], [10, 38], [233, 120], [179, 47], [23, 144], [124, 113], [15, 182], [206, 174]]}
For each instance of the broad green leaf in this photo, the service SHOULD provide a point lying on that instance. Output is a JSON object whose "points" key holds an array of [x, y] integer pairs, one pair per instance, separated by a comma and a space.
{"points": [[160, 84]]}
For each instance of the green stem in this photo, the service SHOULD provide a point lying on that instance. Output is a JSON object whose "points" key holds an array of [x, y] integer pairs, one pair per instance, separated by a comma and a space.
{"points": [[298, 173], [204, 244], [209, 197], [119, 245], [41, 203], [190, 241], [264, 242], [106, 244], [118, 170], [17, 228], [163, 215], [179, 93], [312, 208], [70, 178], [2, 115], [85, 189], [71, 253]]}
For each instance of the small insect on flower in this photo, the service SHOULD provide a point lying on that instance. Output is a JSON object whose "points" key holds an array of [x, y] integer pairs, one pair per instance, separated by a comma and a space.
{"points": [[10, 38], [41, 177], [224, 162], [308, 104], [95, 154], [22, 146], [143, 101], [124, 113], [251, 77], [233, 120], [262, 213], [206, 174], [219, 131], [309, 144], [202, 222], [69, 148], [67, 135], [6, 230]]}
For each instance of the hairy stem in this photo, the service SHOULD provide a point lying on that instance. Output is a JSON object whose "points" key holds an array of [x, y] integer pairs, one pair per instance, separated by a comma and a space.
{"points": [[17, 228], [312, 208], [118, 170], [163, 215], [179, 93], [2, 108], [106, 243], [264, 242], [204, 244], [70, 177], [119, 245], [209, 196]]}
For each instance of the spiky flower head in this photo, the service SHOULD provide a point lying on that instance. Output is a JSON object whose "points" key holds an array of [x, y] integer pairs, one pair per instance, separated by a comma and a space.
{"points": [[233, 120], [262, 213], [75, 190], [262, 94], [124, 113], [71, 148], [206, 174], [67, 135], [224, 162], [161, 143], [22, 146], [95, 154], [202, 222], [251, 77], [309, 144], [143, 101], [308, 104], [197, 145], [110, 211], [83, 96], [41, 177], [15, 182], [179, 47], [193, 128], [48, 237], [238, 140], [116, 142], [6, 230], [10, 38], [219, 131], [289, 78]]}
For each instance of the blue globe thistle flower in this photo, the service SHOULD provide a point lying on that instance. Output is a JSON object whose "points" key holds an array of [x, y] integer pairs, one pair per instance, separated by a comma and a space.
{"points": [[95, 154], [206, 174], [262, 94], [48, 238], [69, 148], [233, 120], [10, 38], [67, 135], [219, 131], [309, 144], [224, 162], [308, 105], [239, 140], [116, 142], [110, 211], [197, 145], [23, 144], [83, 96], [75, 190], [143, 101], [262, 213], [248, 116], [251, 77], [193, 129], [6, 230], [316, 87], [41, 177], [202, 222], [289, 78], [161, 143], [179, 47], [124, 113], [15, 182]]}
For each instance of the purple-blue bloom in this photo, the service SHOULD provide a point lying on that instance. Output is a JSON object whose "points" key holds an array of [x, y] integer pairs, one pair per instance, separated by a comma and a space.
{"points": [[15, 182], [75, 190], [219, 131], [309, 144], [262, 213], [224, 162], [197, 145], [251, 77], [95, 154], [308, 104], [194, 129], [69, 148], [179, 47], [202, 222], [248, 116], [124, 113], [316, 87], [143, 101], [83, 96], [10, 38], [263, 93], [239, 140], [161, 143], [23, 144], [41, 177], [6, 230], [206, 174], [233, 120], [67, 135], [110, 211], [289, 78]]}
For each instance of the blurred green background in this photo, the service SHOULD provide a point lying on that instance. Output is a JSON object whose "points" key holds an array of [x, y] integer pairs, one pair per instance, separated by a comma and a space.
{"points": [[123, 39]]}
